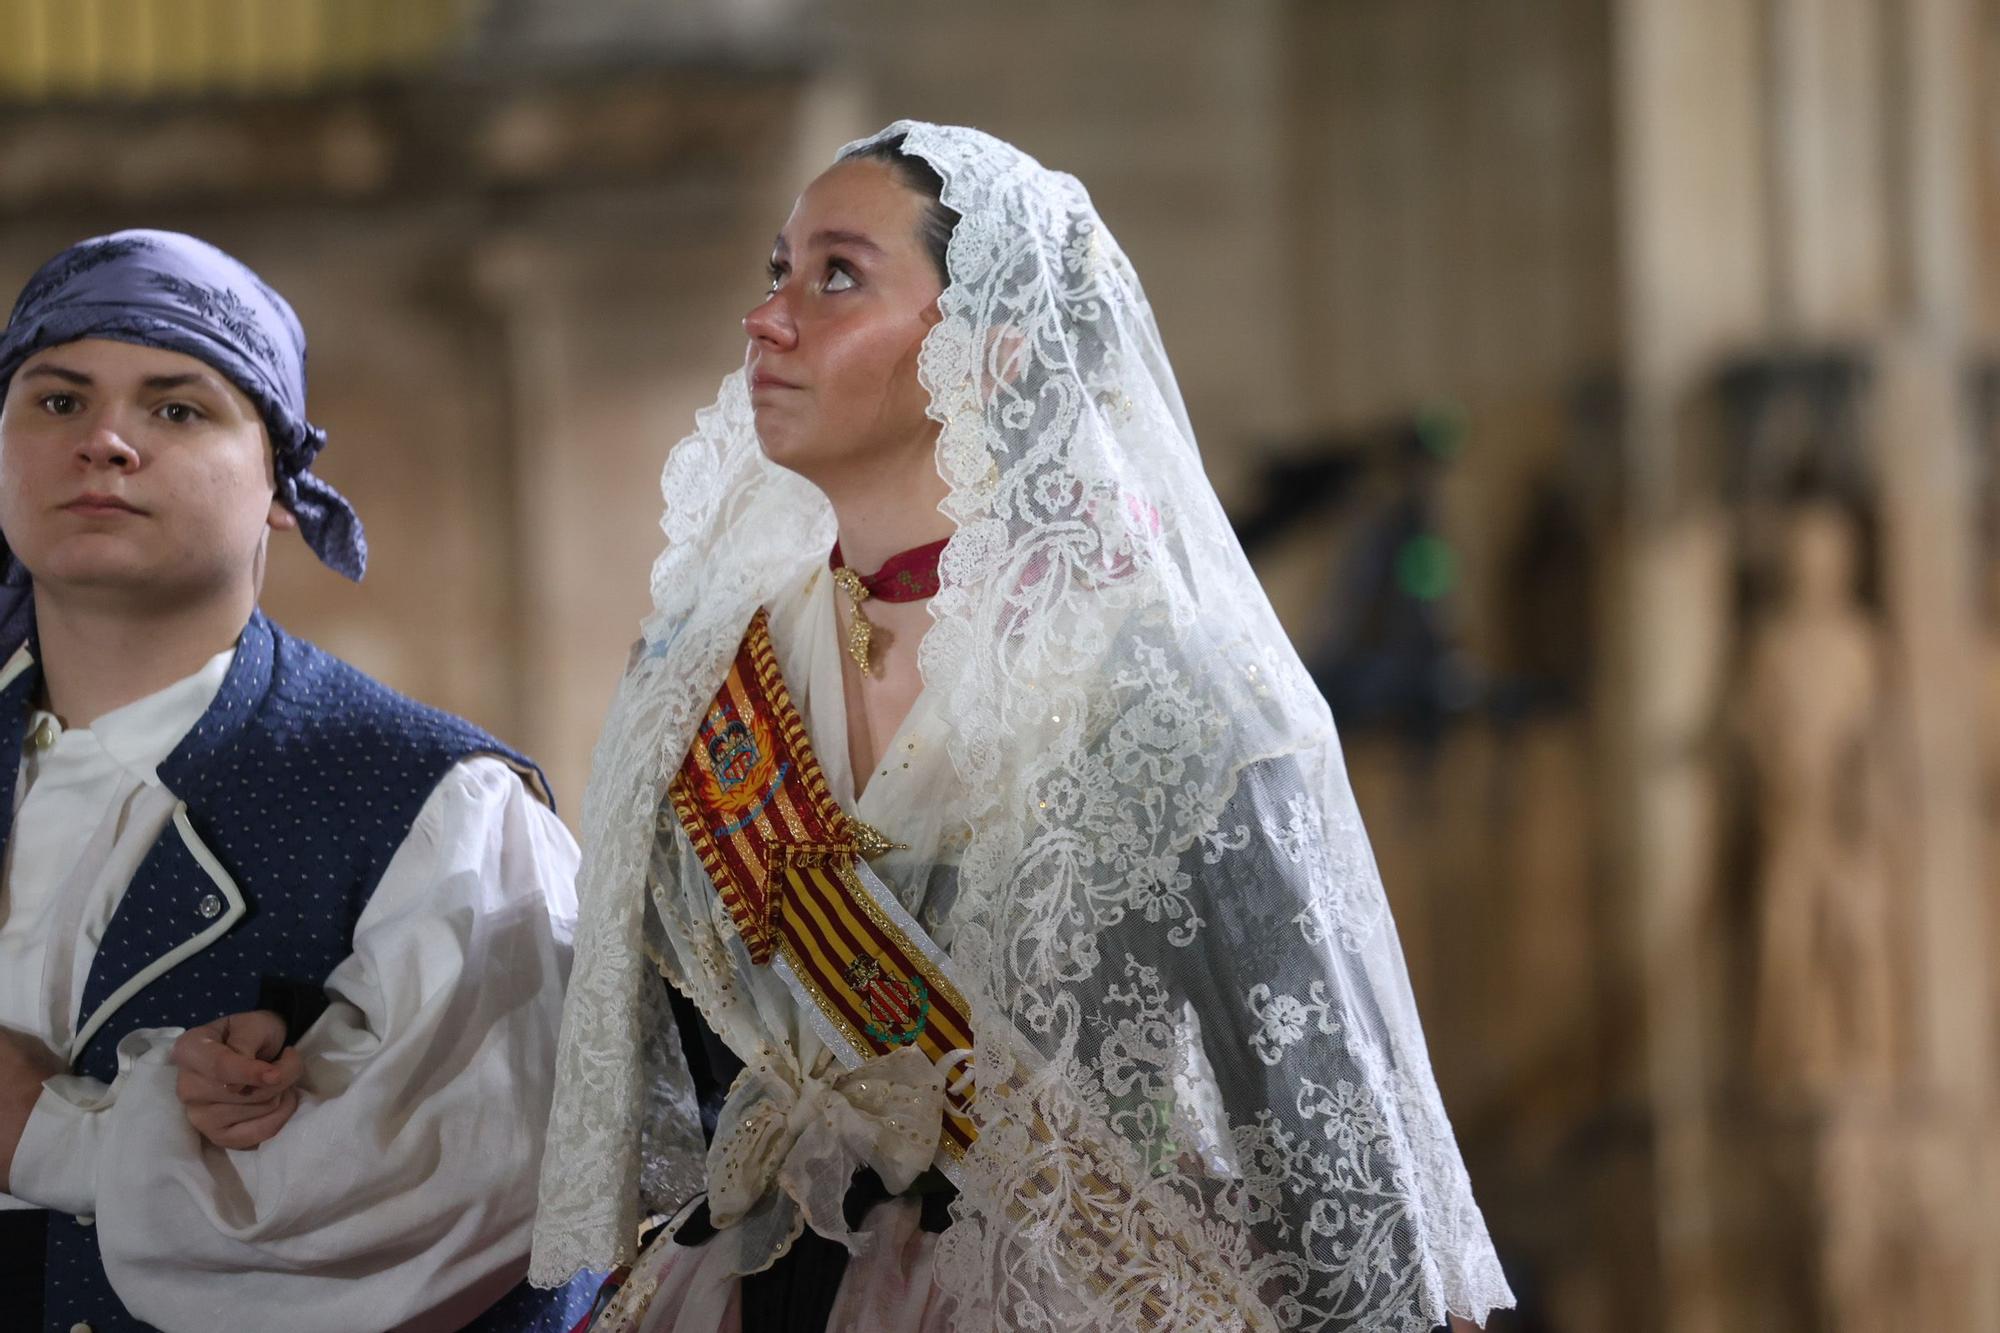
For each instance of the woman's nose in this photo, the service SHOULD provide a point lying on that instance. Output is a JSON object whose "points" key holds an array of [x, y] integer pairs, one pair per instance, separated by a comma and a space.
{"points": [[770, 322]]}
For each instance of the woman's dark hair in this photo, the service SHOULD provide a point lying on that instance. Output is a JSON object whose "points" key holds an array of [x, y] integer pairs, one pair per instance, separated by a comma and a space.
{"points": [[915, 173]]}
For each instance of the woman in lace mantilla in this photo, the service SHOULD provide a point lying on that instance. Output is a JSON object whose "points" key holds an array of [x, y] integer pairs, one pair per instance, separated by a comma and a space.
{"points": [[1025, 963]]}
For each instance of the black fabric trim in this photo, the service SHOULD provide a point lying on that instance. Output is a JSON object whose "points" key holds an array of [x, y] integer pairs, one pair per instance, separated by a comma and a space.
{"points": [[24, 1254], [798, 1291], [299, 1003], [710, 1062]]}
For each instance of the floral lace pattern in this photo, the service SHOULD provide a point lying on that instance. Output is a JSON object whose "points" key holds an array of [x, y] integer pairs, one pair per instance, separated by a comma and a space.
{"points": [[1204, 1101], [1282, 1019], [1337, 867]]}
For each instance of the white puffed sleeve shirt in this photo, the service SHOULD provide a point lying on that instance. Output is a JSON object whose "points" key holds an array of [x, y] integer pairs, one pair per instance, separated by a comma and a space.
{"points": [[400, 1194]]}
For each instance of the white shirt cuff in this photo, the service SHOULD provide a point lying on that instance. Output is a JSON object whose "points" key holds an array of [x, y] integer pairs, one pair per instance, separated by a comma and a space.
{"points": [[55, 1163]]}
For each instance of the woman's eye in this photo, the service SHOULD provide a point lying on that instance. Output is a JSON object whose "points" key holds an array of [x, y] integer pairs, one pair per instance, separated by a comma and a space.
{"points": [[180, 414], [837, 280], [60, 404], [776, 272]]}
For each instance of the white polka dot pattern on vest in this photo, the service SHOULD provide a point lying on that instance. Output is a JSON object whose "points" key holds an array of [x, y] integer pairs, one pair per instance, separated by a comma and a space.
{"points": [[302, 780]]}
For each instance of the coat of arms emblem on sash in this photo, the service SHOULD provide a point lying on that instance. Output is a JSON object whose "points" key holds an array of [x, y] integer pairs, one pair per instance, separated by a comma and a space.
{"points": [[789, 865], [901, 1008]]}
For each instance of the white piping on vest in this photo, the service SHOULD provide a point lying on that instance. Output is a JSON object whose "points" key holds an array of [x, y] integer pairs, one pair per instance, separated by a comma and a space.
{"points": [[186, 949]]}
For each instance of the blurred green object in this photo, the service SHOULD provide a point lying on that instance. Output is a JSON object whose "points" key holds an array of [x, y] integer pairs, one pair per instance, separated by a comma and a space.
{"points": [[1426, 567], [1441, 430]]}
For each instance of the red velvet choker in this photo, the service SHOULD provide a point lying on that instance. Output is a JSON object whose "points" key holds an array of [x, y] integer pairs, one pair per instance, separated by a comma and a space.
{"points": [[907, 576]]}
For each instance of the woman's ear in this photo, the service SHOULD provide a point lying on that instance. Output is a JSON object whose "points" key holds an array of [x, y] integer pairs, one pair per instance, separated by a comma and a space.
{"points": [[281, 519]]}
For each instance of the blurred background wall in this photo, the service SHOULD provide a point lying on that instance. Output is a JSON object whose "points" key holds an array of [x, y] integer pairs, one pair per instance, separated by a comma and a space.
{"points": [[1606, 389]]}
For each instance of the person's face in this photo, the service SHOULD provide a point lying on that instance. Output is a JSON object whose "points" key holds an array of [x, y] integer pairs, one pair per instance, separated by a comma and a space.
{"points": [[832, 356], [131, 469]]}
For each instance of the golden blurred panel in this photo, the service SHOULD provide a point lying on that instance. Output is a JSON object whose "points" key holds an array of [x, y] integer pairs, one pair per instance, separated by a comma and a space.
{"points": [[127, 50]]}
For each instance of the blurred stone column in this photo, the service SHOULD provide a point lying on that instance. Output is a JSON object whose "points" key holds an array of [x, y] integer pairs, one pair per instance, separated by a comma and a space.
{"points": [[1795, 173], [1922, 429], [1693, 284], [509, 275]]}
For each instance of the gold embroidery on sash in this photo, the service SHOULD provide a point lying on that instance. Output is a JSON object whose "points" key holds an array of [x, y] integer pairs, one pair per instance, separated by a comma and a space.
{"points": [[755, 805], [781, 853]]}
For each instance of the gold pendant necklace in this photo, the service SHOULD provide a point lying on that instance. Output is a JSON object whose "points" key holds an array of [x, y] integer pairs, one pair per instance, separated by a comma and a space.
{"points": [[860, 634]]}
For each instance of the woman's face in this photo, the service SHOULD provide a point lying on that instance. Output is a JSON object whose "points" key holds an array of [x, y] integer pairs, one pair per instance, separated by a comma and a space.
{"points": [[832, 359]]}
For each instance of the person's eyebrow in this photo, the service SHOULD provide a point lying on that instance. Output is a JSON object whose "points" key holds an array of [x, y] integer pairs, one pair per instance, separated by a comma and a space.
{"points": [[827, 237], [63, 373], [155, 383], [195, 377], [848, 238]]}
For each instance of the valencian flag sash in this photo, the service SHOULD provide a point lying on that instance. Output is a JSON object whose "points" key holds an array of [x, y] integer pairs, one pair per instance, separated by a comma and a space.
{"points": [[791, 867]]}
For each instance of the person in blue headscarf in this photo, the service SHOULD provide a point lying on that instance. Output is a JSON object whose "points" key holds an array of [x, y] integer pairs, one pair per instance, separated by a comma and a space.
{"points": [[242, 885], [182, 295]]}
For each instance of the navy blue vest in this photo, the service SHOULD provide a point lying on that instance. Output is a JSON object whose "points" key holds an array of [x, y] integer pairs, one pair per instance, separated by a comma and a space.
{"points": [[298, 785]]}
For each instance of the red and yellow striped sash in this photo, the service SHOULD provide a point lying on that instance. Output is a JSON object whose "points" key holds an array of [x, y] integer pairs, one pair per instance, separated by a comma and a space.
{"points": [[783, 857]]}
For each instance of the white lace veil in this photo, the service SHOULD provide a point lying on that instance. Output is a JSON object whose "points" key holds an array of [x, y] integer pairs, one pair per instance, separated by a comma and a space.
{"points": [[1204, 1096]]}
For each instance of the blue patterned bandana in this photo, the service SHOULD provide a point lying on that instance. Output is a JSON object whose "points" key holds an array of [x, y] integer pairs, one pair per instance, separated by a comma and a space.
{"points": [[163, 289]]}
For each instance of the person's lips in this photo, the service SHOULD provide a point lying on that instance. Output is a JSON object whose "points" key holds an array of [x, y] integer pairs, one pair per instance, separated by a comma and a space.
{"points": [[97, 504], [764, 379]]}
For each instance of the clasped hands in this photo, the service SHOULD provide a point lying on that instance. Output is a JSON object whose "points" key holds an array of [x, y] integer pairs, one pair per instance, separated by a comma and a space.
{"points": [[239, 1081]]}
